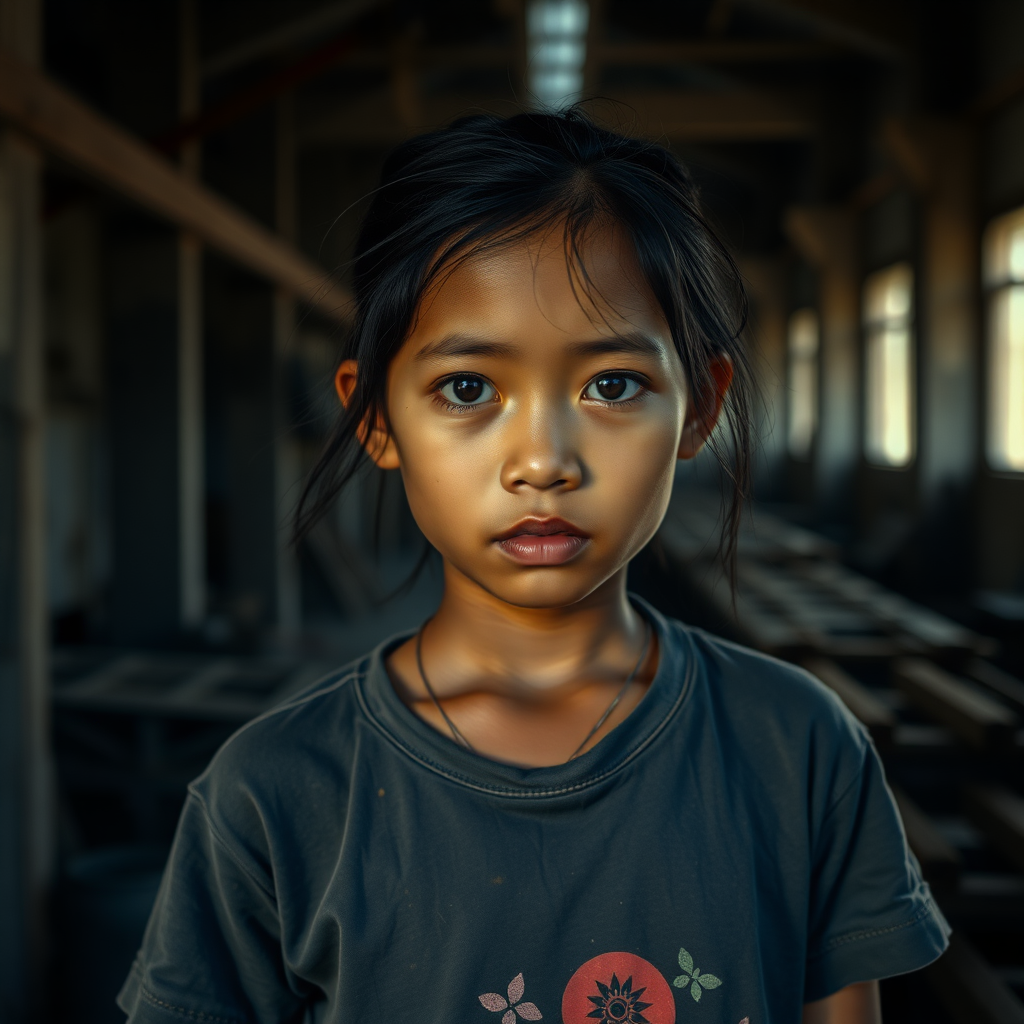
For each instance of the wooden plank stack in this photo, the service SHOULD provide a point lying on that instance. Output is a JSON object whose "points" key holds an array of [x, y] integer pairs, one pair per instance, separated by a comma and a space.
{"points": [[948, 722]]}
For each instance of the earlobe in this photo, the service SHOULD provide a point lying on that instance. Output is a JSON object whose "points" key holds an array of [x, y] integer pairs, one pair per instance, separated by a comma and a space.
{"points": [[376, 440], [702, 415]]}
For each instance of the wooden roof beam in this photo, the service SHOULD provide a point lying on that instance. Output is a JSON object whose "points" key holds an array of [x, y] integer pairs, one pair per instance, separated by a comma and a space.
{"points": [[682, 117], [331, 17], [871, 27], [66, 127], [694, 51]]}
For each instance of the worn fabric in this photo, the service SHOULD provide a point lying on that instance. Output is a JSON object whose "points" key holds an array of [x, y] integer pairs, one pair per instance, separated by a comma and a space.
{"points": [[729, 851]]}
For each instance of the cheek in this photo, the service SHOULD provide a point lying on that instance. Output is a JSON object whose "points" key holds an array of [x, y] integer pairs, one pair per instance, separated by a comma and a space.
{"points": [[634, 470], [447, 473]]}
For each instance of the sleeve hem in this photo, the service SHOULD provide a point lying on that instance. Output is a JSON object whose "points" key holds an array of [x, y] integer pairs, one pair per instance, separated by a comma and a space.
{"points": [[873, 955], [145, 1007]]}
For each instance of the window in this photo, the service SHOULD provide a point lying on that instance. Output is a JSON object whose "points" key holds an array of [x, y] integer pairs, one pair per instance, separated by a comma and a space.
{"points": [[889, 366], [556, 42], [803, 382], [1004, 277]]}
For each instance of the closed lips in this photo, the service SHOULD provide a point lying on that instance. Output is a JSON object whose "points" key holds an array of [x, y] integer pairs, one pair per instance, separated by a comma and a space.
{"points": [[544, 542], [541, 528]]}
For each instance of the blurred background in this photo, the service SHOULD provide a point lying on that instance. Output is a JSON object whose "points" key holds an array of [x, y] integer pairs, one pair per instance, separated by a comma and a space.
{"points": [[180, 186]]}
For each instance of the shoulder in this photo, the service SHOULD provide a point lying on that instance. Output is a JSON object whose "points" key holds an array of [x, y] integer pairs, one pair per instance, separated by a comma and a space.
{"points": [[749, 683], [279, 759], [773, 715]]}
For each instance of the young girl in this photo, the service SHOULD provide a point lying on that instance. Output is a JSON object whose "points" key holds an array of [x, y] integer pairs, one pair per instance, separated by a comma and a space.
{"points": [[550, 802]]}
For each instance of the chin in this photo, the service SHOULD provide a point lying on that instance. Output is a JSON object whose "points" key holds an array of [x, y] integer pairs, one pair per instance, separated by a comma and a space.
{"points": [[545, 588]]}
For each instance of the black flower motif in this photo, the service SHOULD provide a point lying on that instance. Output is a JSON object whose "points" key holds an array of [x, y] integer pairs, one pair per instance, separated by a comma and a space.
{"points": [[619, 1004]]}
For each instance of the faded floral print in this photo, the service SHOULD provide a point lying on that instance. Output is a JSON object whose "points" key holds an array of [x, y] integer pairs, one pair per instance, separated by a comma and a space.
{"points": [[513, 1006]]}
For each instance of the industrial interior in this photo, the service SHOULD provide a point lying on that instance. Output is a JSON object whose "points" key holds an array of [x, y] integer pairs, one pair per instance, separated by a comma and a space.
{"points": [[180, 186]]}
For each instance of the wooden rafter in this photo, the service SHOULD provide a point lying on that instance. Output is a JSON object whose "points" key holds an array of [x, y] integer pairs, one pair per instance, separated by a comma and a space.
{"points": [[330, 18], [694, 51], [63, 125], [683, 117], [874, 28]]}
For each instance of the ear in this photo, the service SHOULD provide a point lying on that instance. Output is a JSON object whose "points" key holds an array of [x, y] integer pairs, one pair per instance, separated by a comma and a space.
{"points": [[376, 440], [702, 414]]}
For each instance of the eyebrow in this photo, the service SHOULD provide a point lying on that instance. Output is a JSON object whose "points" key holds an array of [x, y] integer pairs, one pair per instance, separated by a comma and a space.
{"points": [[633, 342], [470, 345], [465, 345]]}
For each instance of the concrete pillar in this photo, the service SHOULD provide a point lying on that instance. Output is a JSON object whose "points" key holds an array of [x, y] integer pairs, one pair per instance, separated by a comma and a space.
{"points": [[26, 772], [827, 238]]}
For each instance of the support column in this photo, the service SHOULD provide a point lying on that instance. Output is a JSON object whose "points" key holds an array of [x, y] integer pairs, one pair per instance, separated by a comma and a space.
{"points": [[767, 284], [949, 298], [948, 361], [191, 438], [26, 773], [827, 238], [145, 363], [938, 159], [287, 467]]}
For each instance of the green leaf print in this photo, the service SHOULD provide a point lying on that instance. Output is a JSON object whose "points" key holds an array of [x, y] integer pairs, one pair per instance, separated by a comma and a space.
{"points": [[685, 961], [691, 976]]}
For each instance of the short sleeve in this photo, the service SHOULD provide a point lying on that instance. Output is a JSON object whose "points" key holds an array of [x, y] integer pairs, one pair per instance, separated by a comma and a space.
{"points": [[871, 915], [212, 949]]}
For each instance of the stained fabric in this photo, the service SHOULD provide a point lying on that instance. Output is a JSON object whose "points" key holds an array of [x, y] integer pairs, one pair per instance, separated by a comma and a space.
{"points": [[729, 851]]}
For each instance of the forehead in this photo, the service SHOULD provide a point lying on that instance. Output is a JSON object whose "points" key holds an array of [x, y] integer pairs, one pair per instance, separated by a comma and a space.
{"points": [[533, 290]]}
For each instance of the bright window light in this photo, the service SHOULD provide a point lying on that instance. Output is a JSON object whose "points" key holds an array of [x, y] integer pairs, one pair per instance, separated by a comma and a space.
{"points": [[556, 39], [1004, 277], [889, 377], [803, 382]]}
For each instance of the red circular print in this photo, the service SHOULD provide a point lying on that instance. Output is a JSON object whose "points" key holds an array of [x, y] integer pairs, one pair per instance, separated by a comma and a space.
{"points": [[618, 988]]}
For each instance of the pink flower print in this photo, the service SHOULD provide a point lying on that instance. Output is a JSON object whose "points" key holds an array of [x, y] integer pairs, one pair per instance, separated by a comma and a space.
{"points": [[508, 1008]]}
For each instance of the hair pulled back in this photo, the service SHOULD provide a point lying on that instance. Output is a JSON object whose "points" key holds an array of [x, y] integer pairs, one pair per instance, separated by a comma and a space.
{"points": [[484, 182]]}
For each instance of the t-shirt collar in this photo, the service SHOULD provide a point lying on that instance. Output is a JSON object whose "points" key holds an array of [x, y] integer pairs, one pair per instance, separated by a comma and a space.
{"points": [[622, 746]]}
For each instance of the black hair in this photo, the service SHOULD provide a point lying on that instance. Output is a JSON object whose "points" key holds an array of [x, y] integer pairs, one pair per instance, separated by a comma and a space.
{"points": [[484, 182]]}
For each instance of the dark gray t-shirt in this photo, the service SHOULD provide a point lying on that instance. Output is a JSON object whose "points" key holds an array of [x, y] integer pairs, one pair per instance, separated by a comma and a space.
{"points": [[729, 851]]}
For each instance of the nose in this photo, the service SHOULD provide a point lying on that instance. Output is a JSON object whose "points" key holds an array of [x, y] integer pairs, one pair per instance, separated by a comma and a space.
{"points": [[541, 450]]}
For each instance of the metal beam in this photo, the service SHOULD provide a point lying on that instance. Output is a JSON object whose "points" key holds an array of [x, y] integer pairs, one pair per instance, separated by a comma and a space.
{"points": [[68, 128]]}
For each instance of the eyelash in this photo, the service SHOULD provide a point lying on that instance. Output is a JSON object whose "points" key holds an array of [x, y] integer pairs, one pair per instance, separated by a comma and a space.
{"points": [[455, 407], [638, 378], [458, 409]]}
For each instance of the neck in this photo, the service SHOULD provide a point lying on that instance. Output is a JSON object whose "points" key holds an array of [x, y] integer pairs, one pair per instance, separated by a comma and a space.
{"points": [[488, 644]]}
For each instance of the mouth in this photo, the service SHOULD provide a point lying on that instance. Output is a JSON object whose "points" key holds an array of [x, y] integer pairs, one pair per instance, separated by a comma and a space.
{"points": [[551, 541]]}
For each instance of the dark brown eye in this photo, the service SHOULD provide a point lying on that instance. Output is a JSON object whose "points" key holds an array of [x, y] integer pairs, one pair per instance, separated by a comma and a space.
{"points": [[612, 387], [467, 390]]}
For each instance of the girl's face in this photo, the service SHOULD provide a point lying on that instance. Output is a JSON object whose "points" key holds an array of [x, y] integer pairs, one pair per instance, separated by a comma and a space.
{"points": [[537, 426]]}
